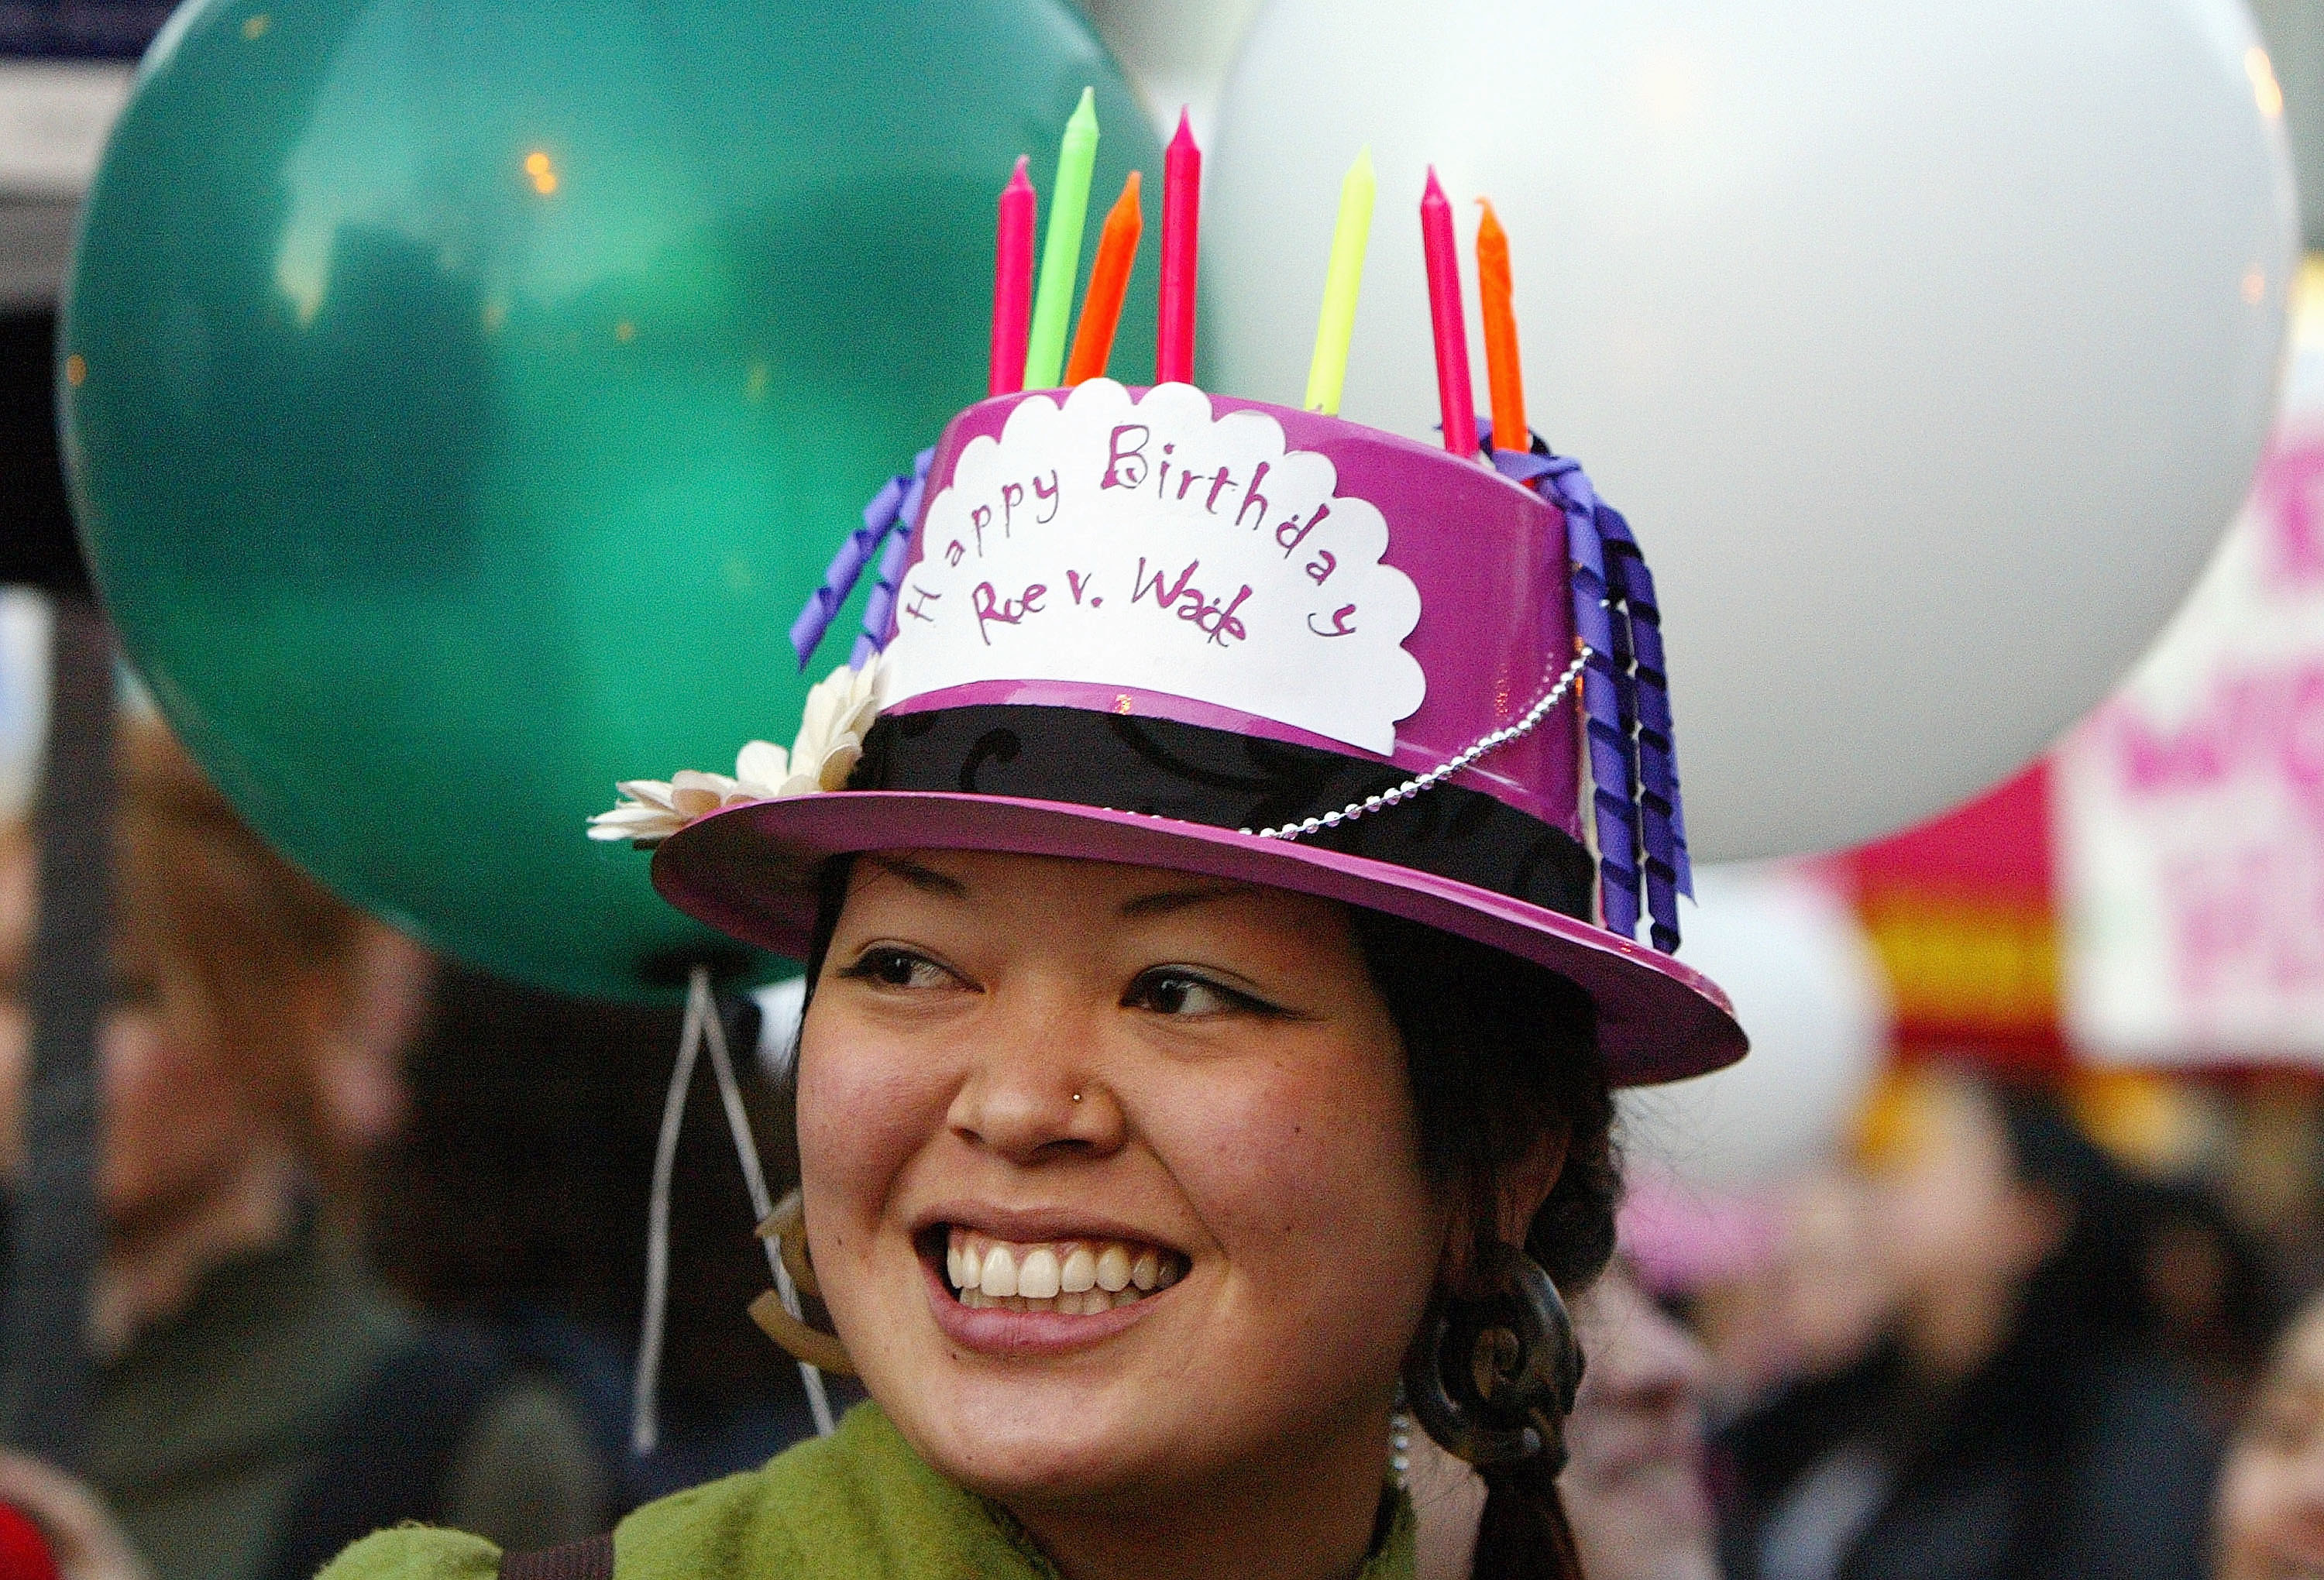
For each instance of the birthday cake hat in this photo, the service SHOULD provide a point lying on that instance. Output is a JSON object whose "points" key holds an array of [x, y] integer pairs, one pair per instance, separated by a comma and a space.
{"points": [[1167, 627]]}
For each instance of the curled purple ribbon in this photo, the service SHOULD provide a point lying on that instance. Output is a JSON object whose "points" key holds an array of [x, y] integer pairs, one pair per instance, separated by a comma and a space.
{"points": [[890, 517], [1626, 702]]}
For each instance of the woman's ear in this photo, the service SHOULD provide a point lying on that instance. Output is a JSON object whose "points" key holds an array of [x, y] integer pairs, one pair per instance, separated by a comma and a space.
{"points": [[1527, 1183], [361, 1023], [1519, 1190]]}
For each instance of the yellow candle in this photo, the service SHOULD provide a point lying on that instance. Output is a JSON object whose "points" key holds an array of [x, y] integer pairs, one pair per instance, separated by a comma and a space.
{"points": [[1327, 375], [1061, 254]]}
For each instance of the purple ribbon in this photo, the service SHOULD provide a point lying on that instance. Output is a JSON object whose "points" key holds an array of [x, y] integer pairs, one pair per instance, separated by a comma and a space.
{"points": [[1625, 700], [890, 515]]}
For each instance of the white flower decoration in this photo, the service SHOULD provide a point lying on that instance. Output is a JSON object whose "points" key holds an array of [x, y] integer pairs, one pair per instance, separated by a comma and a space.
{"points": [[839, 713]]}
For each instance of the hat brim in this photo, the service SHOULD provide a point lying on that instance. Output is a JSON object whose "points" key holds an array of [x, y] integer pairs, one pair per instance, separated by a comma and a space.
{"points": [[749, 871]]}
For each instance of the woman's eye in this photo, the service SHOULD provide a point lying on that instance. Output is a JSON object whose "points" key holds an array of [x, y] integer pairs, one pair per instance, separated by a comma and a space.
{"points": [[897, 967], [1182, 993]]}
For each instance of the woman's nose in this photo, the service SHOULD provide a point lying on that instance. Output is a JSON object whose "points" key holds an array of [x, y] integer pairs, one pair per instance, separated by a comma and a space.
{"points": [[1034, 1088]]}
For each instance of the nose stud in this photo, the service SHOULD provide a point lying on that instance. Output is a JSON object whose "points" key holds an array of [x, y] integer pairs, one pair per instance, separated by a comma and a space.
{"points": [[1077, 1097]]}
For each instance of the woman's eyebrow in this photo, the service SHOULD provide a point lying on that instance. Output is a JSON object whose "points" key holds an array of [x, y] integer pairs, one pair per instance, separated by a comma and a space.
{"points": [[926, 880], [1169, 900]]}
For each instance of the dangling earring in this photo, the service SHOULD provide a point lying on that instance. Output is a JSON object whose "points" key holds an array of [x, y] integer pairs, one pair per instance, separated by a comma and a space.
{"points": [[1492, 1377], [787, 1227], [1399, 1446]]}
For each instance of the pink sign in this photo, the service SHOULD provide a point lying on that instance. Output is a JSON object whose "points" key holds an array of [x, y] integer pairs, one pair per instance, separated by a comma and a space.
{"points": [[2190, 807]]}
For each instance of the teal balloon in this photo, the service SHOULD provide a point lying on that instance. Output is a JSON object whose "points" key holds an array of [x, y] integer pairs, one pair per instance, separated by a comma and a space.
{"points": [[462, 397]]}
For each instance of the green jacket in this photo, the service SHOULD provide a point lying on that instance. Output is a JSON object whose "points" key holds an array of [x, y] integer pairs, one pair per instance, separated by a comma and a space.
{"points": [[203, 1435], [858, 1504]]}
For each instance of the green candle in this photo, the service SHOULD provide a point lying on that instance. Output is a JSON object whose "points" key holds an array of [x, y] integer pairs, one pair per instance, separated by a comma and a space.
{"points": [[1336, 326], [1061, 250]]}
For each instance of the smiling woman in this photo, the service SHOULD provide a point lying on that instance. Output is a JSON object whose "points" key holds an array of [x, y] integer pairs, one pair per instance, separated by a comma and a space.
{"points": [[1211, 1028], [1173, 1166]]}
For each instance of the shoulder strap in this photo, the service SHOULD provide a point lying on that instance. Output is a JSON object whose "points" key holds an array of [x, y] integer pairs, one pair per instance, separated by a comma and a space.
{"points": [[578, 1560]]}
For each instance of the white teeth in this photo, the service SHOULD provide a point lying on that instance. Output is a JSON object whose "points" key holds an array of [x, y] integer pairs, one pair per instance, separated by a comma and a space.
{"points": [[1071, 1278]]}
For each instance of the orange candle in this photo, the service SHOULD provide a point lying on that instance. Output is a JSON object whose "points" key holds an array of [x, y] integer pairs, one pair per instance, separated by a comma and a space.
{"points": [[1501, 369], [1116, 250]]}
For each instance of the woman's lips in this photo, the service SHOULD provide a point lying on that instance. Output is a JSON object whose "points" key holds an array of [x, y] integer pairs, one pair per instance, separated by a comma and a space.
{"points": [[1006, 1297]]}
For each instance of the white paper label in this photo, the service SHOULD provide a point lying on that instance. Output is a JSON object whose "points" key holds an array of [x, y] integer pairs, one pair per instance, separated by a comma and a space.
{"points": [[1145, 544]]}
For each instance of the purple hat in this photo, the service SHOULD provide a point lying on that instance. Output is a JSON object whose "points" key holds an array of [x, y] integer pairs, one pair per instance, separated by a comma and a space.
{"points": [[1175, 629]]}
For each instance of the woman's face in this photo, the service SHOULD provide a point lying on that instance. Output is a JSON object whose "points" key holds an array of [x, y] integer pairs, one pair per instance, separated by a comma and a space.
{"points": [[2271, 1496], [177, 1118], [1169, 1113], [1956, 1219], [1634, 1482]]}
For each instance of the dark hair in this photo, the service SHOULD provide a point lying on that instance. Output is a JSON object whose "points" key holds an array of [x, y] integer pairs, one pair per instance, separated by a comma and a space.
{"points": [[1498, 1051], [1501, 1052]]}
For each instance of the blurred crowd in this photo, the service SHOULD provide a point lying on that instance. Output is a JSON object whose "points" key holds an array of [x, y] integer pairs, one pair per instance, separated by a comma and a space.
{"points": [[2021, 1327], [374, 1250], [373, 1229]]}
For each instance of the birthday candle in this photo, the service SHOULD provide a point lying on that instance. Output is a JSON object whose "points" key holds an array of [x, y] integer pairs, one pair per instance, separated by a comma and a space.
{"points": [[1335, 326], [1452, 392], [1012, 283], [1182, 208], [1503, 373], [1061, 252], [1116, 250]]}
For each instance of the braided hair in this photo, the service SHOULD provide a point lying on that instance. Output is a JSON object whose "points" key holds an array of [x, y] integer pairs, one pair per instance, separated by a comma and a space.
{"points": [[1501, 1052]]}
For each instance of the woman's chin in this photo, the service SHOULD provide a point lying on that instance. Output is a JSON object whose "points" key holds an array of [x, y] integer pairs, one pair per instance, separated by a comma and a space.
{"points": [[1016, 1446]]}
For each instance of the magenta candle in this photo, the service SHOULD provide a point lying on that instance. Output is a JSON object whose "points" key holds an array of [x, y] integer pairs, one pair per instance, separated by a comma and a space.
{"points": [[1182, 208], [1452, 392], [1012, 283]]}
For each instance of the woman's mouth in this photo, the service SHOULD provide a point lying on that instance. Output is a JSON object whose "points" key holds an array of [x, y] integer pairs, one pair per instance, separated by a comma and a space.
{"points": [[1071, 1277]]}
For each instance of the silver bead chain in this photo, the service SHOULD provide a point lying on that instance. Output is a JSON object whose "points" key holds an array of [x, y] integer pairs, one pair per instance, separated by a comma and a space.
{"points": [[1442, 771]]}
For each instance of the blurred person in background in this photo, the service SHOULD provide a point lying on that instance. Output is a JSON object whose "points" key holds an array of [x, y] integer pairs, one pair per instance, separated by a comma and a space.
{"points": [[2017, 1420], [2209, 1285], [515, 1199], [1632, 1486], [2270, 1513], [1804, 1294], [248, 1363]]}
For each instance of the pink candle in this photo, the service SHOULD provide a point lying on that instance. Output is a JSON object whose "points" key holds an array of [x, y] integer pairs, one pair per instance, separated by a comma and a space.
{"points": [[1182, 206], [1012, 283], [1453, 391]]}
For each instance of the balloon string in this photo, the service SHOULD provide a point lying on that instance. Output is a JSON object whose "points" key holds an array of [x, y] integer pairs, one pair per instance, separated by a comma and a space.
{"points": [[645, 1392], [702, 1025], [698, 1002]]}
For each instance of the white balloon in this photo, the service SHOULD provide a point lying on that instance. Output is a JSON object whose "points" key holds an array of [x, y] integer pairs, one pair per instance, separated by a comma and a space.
{"points": [[1174, 52], [1927, 343], [1793, 955]]}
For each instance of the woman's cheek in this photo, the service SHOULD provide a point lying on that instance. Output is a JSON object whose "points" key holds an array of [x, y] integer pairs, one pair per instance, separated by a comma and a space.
{"points": [[1293, 1165], [863, 1112]]}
